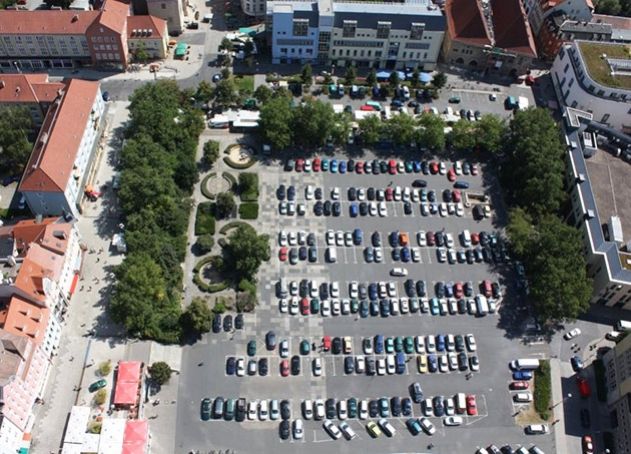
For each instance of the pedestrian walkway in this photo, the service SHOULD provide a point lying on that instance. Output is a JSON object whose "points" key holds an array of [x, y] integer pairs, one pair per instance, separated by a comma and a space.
{"points": [[558, 403]]}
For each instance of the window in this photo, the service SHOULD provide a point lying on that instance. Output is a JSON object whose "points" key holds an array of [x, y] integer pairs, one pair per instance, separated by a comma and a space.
{"points": [[605, 118], [349, 28], [383, 29], [378, 54], [163, 5], [567, 66], [301, 27], [416, 32]]}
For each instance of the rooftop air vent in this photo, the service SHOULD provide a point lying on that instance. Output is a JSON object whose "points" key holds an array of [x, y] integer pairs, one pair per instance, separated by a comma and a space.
{"points": [[590, 214]]}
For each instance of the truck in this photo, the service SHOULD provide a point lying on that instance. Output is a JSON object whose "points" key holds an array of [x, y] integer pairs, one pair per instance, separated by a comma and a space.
{"points": [[524, 364], [482, 305], [623, 325]]}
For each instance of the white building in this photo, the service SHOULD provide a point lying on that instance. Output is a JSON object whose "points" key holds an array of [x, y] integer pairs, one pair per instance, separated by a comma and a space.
{"points": [[595, 77], [539, 10], [377, 35], [56, 174], [171, 11]]}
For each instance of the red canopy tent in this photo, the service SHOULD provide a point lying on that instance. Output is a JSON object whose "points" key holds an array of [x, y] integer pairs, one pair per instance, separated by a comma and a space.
{"points": [[127, 383], [135, 438]]}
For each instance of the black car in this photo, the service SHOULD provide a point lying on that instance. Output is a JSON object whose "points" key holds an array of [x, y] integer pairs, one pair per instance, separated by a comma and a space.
{"points": [[440, 239], [376, 239], [238, 321], [324, 291], [370, 194], [383, 166], [327, 208], [431, 196], [281, 192], [311, 239], [447, 197], [337, 209], [407, 208], [374, 308], [336, 345], [218, 408], [302, 253], [406, 406], [420, 288], [506, 449], [396, 254], [384, 306], [263, 367], [470, 257], [440, 290], [370, 366], [284, 429], [330, 409], [285, 409], [410, 288], [318, 194], [373, 408], [439, 406], [217, 323], [395, 406], [291, 193], [350, 165], [363, 209], [313, 254], [586, 420], [205, 409], [231, 365], [352, 194], [419, 184], [295, 365], [270, 340], [349, 365], [463, 362], [462, 306], [240, 411], [318, 208], [289, 165]]}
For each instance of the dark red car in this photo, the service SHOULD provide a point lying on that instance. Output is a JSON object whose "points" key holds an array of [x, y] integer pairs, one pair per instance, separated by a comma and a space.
{"points": [[451, 175], [317, 164], [487, 288], [300, 165], [583, 387], [359, 167], [433, 167], [516, 385], [389, 194], [304, 306], [392, 167], [475, 238], [284, 368], [326, 343], [456, 196], [282, 254], [472, 407], [458, 290], [431, 239]]}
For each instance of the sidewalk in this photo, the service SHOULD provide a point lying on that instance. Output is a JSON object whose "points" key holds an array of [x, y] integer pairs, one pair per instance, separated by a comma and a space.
{"points": [[560, 440]]}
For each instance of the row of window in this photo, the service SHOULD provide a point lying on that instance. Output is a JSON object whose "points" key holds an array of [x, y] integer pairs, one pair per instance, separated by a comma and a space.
{"points": [[378, 54]]}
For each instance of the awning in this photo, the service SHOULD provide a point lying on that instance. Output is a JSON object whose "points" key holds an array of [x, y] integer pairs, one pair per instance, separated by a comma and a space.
{"points": [[401, 75], [136, 437], [247, 31], [383, 74], [73, 286], [129, 371], [126, 393], [425, 78]]}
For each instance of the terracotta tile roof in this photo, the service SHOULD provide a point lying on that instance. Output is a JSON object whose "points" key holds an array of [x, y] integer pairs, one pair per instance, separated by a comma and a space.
{"points": [[113, 15], [30, 280], [13, 351], [45, 22], [511, 28], [614, 21], [56, 237], [49, 261], [465, 22], [51, 162], [24, 88], [26, 319], [155, 24], [26, 232]]}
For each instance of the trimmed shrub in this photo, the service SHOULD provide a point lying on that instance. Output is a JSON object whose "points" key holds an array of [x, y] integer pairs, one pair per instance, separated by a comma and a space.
{"points": [[204, 186], [543, 390], [249, 186], [204, 219], [232, 225], [236, 165], [205, 243], [249, 210], [232, 181], [100, 397]]}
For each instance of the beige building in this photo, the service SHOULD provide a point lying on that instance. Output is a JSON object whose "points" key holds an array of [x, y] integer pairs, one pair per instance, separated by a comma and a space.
{"points": [[171, 11], [618, 367], [149, 33], [33, 91]]}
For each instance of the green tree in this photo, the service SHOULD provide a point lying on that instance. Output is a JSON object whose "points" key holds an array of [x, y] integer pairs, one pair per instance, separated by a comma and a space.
{"points": [[462, 136], [248, 183], [313, 120], [205, 92], [226, 44], [226, 93], [160, 372], [204, 243], [439, 80], [276, 121], [394, 79], [245, 252], [341, 128], [611, 7], [490, 133], [521, 231], [100, 397], [211, 153], [197, 317], [307, 75], [225, 205], [350, 75], [263, 93], [371, 78], [401, 129], [140, 53], [15, 127], [415, 78], [431, 133], [371, 129], [225, 73]]}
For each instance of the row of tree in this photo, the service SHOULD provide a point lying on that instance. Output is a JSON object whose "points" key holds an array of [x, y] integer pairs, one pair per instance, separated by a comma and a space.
{"points": [[532, 171], [158, 174]]}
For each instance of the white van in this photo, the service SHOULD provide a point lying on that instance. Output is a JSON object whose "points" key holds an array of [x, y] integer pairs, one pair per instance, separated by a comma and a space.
{"points": [[522, 397], [536, 429], [331, 254], [307, 409], [482, 305], [461, 403], [524, 363], [466, 238]]}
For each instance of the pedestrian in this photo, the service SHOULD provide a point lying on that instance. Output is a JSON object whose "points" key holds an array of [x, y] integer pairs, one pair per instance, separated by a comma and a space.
{"points": [[98, 259], [71, 358]]}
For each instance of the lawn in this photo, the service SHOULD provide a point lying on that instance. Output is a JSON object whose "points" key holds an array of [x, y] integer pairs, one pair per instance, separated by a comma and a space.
{"points": [[249, 210], [598, 67], [249, 186], [244, 83], [204, 219]]}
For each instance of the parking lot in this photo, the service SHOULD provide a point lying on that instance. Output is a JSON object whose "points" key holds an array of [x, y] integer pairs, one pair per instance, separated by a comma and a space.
{"points": [[207, 376]]}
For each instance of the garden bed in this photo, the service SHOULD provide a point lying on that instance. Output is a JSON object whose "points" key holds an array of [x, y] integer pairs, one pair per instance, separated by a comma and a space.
{"points": [[204, 186], [204, 219], [232, 181], [249, 211], [201, 284], [232, 225], [543, 390]]}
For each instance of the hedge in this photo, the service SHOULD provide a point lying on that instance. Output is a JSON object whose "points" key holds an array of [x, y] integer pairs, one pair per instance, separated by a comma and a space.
{"points": [[232, 225], [601, 381], [204, 219], [204, 186], [253, 195], [249, 210], [232, 181], [203, 286], [235, 165], [543, 389], [222, 242]]}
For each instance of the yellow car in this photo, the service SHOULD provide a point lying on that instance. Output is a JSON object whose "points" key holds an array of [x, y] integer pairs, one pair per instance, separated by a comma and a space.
{"points": [[373, 429], [421, 361]]}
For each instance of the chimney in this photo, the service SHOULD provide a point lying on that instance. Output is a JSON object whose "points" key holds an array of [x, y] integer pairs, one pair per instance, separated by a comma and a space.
{"points": [[75, 18], [38, 219], [2, 84]]}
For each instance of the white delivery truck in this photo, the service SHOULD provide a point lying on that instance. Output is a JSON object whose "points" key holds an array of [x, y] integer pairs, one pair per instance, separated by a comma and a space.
{"points": [[524, 364], [482, 305]]}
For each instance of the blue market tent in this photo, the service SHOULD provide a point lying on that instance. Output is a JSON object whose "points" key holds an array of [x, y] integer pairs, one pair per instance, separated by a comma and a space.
{"points": [[425, 78], [383, 74]]}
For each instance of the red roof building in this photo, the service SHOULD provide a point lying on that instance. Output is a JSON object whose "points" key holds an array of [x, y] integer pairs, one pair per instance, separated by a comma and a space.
{"points": [[493, 36], [33, 91]]}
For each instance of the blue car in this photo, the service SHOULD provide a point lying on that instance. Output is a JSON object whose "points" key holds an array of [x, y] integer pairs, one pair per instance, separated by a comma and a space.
{"points": [[324, 165], [434, 306], [413, 426], [417, 166], [440, 342], [405, 254], [358, 237], [333, 165], [354, 210], [363, 309], [378, 344], [372, 291], [461, 184], [522, 375], [432, 363], [342, 167], [394, 239]]}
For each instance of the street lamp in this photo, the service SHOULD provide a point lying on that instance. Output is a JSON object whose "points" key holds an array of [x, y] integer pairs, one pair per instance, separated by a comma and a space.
{"points": [[562, 401]]}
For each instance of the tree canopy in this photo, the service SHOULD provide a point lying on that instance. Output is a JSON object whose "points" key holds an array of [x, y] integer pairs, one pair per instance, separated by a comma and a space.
{"points": [[371, 128], [431, 133], [276, 122], [487, 134], [400, 129], [245, 252], [614, 7], [197, 317], [16, 126], [160, 372]]}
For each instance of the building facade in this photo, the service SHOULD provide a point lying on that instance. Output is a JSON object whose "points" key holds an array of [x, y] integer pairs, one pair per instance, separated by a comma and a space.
{"points": [[31, 91], [54, 181], [172, 11], [254, 8], [149, 34], [375, 35], [618, 369], [539, 10], [488, 36], [594, 77]]}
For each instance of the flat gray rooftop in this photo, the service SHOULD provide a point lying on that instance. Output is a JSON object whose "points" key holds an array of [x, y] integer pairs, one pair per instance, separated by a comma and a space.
{"points": [[611, 185]]}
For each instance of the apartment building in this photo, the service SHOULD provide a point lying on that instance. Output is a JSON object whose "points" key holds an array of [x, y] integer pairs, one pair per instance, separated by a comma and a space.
{"points": [[40, 260], [363, 34], [596, 78], [32, 91], [255, 8], [618, 370], [539, 10], [488, 36], [54, 180], [148, 33], [559, 29], [172, 11]]}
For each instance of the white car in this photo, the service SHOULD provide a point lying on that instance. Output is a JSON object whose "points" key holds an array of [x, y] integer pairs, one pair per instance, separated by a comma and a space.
{"points": [[240, 367], [427, 426], [283, 306], [415, 196], [378, 255], [421, 237], [453, 361], [274, 410], [330, 238], [293, 288], [441, 253], [302, 237], [430, 343], [383, 210], [291, 208], [534, 429], [307, 165], [381, 366], [346, 306], [348, 432], [335, 289], [363, 409], [394, 306], [367, 343], [348, 239], [263, 410], [342, 410], [325, 308], [307, 409], [339, 238], [451, 208], [399, 272], [319, 409], [428, 407], [361, 194], [252, 410], [442, 209], [449, 238], [416, 254], [383, 289], [442, 168], [450, 407], [282, 238], [335, 193], [298, 429], [314, 289], [317, 367], [293, 238], [392, 288], [453, 421], [284, 348], [404, 305], [459, 210], [294, 306], [309, 192], [572, 334], [336, 307], [387, 428], [406, 194], [332, 430], [390, 364], [470, 341], [522, 397], [458, 168], [419, 344], [398, 194], [353, 289], [372, 209], [443, 364], [360, 364]]}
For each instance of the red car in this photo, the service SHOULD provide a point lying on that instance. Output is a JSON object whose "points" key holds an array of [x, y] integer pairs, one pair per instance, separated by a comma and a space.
{"points": [[451, 175], [326, 343], [359, 167], [457, 196], [431, 239], [304, 306], [474, 169], [519, 385], [316, 164], [367, 108], [472, 408], [392, 167], [588, 444], [433, 167], [458, 290], [475, 238], [282, 254], [389, 194], [583, 387], [300, 165], [284, 368], [487, 288]]}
